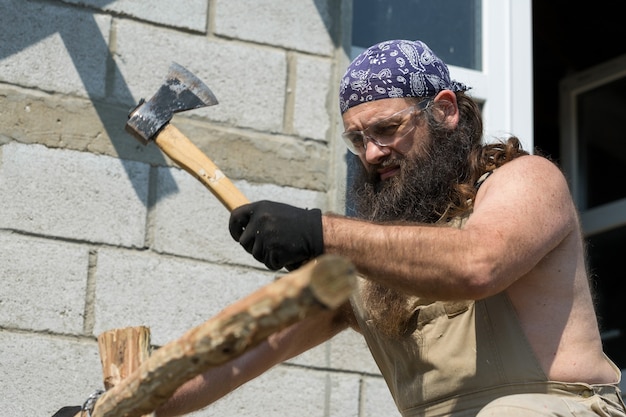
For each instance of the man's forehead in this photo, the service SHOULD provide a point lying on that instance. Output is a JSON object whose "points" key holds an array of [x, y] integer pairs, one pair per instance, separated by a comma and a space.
{"points": [[372, 111]]}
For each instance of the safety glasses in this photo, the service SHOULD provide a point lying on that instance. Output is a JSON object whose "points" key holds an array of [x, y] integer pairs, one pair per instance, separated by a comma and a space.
{"points": [[386, 131]]}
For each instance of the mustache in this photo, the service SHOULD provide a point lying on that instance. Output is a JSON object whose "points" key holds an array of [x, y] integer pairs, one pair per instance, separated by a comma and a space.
{"points": [[372, 175]]}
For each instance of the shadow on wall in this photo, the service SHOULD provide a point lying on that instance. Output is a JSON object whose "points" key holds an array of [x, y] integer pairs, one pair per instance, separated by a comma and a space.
{"points": [[24, 25], [28, 23], [334, 24]]}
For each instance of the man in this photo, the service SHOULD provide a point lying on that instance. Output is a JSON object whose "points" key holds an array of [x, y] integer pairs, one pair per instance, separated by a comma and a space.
{"points": [[474, 297]]}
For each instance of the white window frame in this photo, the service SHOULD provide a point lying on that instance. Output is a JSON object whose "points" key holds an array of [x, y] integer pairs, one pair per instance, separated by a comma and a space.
{"points": [[505, 83]]}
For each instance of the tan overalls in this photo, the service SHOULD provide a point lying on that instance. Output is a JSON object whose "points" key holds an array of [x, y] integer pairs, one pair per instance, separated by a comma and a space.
{"points": [[464, 355]]}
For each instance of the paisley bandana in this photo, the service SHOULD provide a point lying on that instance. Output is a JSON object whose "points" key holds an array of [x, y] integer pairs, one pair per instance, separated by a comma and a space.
{"points": [[395, 68]]}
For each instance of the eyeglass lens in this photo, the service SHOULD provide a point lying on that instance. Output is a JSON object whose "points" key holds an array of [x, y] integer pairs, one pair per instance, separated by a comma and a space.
{"points": [[382, 133]]}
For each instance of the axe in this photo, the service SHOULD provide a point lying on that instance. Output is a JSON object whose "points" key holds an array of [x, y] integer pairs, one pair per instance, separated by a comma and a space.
{"points": [[150, 121]]}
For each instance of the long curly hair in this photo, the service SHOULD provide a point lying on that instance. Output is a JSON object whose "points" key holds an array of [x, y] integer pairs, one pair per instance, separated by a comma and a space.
{"points": [[482, 158], [391, 311]]}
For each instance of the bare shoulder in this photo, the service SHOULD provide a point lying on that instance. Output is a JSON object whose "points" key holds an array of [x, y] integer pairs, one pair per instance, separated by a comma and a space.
{"points": [[527, 200], [530, 168], [534, 162], [528, 178]]}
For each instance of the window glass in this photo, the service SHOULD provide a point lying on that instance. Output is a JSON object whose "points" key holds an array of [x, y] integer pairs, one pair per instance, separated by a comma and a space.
{"points": [[452, 28], [602, 152]]}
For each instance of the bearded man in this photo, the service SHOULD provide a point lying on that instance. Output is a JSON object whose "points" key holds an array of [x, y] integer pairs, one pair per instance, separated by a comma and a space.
{"points": [[473, 297]]}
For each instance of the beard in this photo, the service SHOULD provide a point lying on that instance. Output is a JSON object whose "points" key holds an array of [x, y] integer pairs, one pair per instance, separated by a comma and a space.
{"points": [[422, 191]]}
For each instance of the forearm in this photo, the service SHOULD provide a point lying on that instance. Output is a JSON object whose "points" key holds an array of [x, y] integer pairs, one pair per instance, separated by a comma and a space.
{"points": [[395, 255], [214, 384], [520, 214], [426, 260], [200, 392]]}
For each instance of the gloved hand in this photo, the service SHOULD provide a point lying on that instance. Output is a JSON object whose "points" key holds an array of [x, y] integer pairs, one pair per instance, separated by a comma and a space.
{"points": [[278, 235]]}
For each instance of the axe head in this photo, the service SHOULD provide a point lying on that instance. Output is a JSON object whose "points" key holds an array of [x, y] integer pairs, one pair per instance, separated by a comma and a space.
{"points": [[181, 91]]}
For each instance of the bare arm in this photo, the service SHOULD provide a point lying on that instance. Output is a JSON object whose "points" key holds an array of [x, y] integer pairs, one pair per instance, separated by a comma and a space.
{"points": [[521, 213], [286, 344]]}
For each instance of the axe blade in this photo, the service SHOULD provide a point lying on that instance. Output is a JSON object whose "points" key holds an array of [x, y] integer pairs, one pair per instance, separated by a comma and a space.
{"points": [[181, 91]]}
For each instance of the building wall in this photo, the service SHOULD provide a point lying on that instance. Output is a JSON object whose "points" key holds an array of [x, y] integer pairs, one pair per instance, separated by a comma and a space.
{"points": [[98, 231]]}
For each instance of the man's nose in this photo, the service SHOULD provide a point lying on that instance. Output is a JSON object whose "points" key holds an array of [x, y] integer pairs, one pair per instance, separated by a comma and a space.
{"points": [[374, 153]]}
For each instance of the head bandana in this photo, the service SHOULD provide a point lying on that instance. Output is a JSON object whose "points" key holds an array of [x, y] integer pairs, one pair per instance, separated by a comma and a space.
{"points": [[396, 68]]}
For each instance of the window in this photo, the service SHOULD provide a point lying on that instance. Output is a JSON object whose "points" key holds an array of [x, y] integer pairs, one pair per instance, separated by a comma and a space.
{"points": [[593, 144], [459, 43], [486, 43]]}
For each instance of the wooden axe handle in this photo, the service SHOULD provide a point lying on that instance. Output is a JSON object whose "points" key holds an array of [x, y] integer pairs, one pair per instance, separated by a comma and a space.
{"points": [[182, 151]]}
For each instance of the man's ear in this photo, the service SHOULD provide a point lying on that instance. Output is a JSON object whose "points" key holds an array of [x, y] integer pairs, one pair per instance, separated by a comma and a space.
{"points": [[446, 108]]}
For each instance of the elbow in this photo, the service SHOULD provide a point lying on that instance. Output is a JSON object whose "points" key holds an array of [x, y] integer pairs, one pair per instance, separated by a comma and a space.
{"points": [[481, 278]]}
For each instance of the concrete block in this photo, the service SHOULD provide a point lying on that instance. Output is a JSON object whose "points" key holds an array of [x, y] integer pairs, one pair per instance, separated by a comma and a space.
{"points": [[376, 398], [248, 81], [30, 116], [39, 374], [314, 79], [72, 123], [282, 391], [54, 48], [260, 157], [43, 284], [191, 222], [74, 195], [349, 352], [167, 294], [301, 25], [344, 399], [190, 14]]}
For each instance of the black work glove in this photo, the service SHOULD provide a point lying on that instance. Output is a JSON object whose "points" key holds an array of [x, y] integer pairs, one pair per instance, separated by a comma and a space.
{"points": [[278, 235]]}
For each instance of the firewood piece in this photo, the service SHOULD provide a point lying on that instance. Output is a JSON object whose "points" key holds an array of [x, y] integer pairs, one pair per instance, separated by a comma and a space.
{"points": [[121, 352], [322, 284]]}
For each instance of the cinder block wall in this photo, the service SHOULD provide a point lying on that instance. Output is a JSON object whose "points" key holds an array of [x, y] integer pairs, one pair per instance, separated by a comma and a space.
{"points": [[99, 232]]}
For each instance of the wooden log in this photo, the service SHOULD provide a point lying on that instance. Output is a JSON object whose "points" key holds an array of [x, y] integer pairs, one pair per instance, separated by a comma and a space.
{"points": [[122, 351], [325, 283]]}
